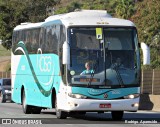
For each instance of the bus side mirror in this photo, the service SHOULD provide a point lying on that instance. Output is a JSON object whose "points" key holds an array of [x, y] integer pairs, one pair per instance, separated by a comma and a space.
{"points": [[146, 53], [66, 53]]}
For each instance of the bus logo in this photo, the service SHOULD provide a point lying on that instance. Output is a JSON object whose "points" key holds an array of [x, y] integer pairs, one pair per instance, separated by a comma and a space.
{"points": [[116, 92], [45, 64], [105, 95], [95, 91]]}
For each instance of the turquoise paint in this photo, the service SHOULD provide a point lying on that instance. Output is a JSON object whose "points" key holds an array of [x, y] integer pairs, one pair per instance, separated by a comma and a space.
{"points": [[38, 73], [99, 93]]}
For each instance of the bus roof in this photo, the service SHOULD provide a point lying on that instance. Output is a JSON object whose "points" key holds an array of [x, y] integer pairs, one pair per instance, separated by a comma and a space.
{"points": [[89, 17], [80, 18], [28, 25]]}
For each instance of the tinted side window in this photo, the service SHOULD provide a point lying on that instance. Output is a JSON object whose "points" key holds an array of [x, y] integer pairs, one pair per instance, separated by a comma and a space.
{"points": [[50, 39], [30, 37], [32, 40], [15, 39]]}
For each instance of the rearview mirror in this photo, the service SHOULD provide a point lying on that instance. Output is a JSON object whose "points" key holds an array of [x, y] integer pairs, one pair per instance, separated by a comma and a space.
{"points": [[146, 53], [66, 53]]}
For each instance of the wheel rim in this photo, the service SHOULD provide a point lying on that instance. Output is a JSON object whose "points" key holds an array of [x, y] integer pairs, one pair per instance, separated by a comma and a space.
{"points": [[24, 101], [56, 109]]}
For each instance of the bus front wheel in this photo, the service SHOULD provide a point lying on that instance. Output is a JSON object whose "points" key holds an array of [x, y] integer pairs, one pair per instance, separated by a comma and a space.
{"points": [[117, 115], [26, 108], [59, 113]]}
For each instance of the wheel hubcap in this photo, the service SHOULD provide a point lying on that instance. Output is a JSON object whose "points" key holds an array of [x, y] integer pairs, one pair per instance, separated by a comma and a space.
{"points": [[24, 102], [57, 111]]}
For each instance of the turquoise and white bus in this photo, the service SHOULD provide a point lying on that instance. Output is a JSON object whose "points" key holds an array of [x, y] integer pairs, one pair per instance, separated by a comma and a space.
{"points": [[48, 59]]}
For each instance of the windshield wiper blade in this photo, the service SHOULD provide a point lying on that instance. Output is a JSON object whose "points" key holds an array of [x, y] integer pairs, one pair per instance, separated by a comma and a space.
{"points": [[92, 74], [90, 79], [119, 78]]}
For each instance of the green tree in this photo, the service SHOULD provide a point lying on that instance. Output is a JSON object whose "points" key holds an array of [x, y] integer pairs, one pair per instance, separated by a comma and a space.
{"points": [[147, 20], [14, 12], [73, 6], [125, 8], [156, 41]]}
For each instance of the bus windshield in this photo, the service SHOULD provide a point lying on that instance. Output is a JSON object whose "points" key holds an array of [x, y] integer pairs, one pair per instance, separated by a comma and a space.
{"points": [[111, 61]]}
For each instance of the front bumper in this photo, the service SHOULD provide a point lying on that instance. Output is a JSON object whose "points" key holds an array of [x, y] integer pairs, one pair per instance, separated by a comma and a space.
{"points": [[73, 104]]}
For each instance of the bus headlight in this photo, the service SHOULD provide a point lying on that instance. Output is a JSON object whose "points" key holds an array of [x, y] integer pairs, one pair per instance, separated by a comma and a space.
{"points": [[131, 96], [78, 96]]}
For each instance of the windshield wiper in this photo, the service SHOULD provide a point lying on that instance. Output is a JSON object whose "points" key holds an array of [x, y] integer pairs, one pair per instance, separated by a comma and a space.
{"points": [[92, 74], [119, 78]]}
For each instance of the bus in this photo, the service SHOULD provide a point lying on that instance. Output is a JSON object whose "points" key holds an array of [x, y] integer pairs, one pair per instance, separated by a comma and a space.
{"points": [[48, 59]]}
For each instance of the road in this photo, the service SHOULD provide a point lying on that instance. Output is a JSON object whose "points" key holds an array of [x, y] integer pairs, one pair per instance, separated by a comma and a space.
{"points": [[14, 111]]}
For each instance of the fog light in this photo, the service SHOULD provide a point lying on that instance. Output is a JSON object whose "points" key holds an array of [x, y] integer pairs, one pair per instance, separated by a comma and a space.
{"points": [[72, 104], [135, 105]]}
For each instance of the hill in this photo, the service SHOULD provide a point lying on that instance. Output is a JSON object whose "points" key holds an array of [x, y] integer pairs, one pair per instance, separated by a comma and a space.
{"points": [[4, 52], [5, 59]]}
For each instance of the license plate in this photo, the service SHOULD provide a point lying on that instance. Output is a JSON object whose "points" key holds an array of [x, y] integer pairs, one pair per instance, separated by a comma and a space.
{"points": [[105, 106]]}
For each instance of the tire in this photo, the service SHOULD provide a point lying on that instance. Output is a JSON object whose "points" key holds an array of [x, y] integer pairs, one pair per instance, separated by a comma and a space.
{"points": [[82, 113], [26, 108], [2, 98], [36, 110], [59, 113], [77, 114], [117, 115]]}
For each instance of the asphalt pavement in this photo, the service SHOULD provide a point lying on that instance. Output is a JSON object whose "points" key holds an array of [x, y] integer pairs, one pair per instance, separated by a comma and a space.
{"points": [[11, 113]]}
